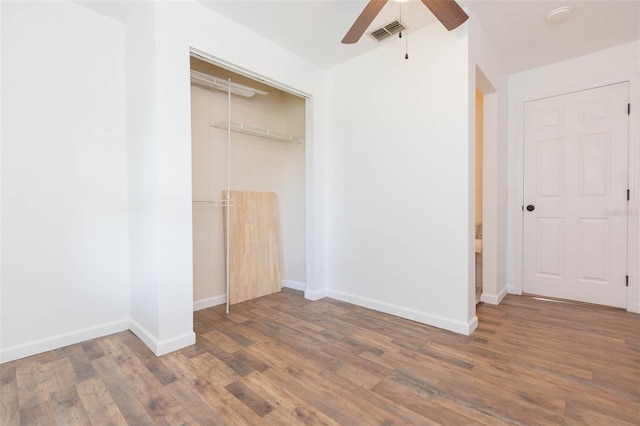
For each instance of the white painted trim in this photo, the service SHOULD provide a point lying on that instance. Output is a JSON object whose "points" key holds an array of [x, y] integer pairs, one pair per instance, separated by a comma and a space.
{"points": [[161, 347], [61, 340], [219, 62], [144, 335], [209, 302], [296, 285], [494, 299], [399, 311], [514, 290], [175, 343], [633, 207], [315, 295]]}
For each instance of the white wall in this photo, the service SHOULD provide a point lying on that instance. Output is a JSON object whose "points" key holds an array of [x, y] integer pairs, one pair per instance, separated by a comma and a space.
{"points": [[142, 169], [492, 80], [1, 134], [398, 196], [179, 27], [64, 177], [77, 173], [294, 197], [621, 63], [257, 164]]}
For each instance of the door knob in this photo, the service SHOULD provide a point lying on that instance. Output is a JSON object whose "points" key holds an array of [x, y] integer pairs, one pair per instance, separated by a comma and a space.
{"points": [[531, 207]]}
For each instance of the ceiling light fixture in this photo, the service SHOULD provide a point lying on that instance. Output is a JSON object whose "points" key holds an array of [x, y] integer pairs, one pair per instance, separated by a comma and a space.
{"points": [[557, 15]]}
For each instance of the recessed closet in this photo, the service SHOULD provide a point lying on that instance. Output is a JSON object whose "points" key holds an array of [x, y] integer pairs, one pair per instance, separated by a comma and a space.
{"points": [[247, 137]]}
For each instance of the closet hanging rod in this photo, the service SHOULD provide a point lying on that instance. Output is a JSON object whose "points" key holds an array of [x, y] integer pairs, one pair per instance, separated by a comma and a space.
{"points": [[210, 82], [259, 132], [214, 203]]}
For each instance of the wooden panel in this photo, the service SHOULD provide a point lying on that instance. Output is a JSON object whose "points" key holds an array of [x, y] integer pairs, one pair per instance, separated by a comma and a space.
{"points": [[254, 245]]}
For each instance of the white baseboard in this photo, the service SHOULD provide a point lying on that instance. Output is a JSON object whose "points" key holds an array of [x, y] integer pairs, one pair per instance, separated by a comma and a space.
{"points": [[638, 308], [421, 317], [494, 299], [296, 285], [513, 290], [165, 346], [315, 295], [209, 302], [61, 340], [175, 343]]}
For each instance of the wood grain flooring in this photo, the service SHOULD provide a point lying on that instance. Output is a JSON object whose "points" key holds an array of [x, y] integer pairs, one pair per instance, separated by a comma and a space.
{"points": [[284, 360]]}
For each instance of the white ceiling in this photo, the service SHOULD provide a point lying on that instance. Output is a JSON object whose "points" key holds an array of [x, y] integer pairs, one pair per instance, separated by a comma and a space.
{"points": [[516, 28], [524, 40], [313, 29]]}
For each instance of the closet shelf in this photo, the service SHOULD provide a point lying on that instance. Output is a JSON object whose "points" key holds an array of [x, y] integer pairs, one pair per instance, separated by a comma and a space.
{"points": [[259, 132]]}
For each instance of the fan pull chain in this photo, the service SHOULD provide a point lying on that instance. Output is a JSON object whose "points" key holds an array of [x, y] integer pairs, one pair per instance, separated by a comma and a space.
{"points": [[400, 6], [406, 47], [406, 39]]}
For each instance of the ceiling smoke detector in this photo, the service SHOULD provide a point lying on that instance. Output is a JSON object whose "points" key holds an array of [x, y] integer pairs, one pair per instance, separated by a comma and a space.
{"points": [[557, 15]]}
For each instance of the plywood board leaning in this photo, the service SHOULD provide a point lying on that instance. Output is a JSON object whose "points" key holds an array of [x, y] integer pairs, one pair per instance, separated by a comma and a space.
{"points": [[254, 245]]}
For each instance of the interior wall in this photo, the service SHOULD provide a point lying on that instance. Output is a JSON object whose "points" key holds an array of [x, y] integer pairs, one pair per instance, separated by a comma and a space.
{"points": [[181, 27], [142, 170], [65, 268], [399, 200], [294, 198], [479, 136], [1, 134], [258, 164], [487, 73], [621, 63]]}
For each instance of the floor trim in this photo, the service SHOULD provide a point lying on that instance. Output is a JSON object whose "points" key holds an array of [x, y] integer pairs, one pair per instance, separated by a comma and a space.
{"points": [[161, 347], [296, 285], [421, 317], [35, 347], [209, 302], [315, 295], [494, 299]]}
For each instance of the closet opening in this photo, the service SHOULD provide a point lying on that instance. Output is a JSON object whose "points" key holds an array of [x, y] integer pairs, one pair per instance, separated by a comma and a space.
{"points": [[248, 186]]}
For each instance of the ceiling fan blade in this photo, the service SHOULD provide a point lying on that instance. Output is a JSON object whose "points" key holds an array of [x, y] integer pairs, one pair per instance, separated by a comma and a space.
{"points": [[364, 20], [448, 12]]}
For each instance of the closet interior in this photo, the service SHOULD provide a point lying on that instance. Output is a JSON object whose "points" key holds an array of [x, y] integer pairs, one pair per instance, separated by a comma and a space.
{"points": [[248, 177]]}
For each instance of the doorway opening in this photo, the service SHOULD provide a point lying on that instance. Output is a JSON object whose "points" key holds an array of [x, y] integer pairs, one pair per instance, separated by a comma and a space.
{"points": [[490, 207]]}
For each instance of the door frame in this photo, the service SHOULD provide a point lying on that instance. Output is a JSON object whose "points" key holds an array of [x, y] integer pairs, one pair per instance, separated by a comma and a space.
{"points": [[310, 289], [516, 220]]}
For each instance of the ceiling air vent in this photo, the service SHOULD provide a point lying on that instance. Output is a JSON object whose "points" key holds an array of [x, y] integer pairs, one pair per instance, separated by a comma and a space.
{"points": [[388, 30]]}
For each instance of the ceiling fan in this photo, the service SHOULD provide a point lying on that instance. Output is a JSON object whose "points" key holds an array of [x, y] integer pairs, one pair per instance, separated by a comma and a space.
{"points": [[448, 12]]}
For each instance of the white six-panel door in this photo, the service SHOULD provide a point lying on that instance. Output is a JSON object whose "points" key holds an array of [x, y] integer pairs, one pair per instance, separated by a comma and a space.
{"points": [[575, 179]]}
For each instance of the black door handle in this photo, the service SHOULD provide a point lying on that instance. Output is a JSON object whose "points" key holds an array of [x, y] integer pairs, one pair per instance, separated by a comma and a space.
{"points": [[531, 207]]}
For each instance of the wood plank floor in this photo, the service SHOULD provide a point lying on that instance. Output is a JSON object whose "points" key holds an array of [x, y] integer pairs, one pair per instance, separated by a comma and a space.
{"points": [[284, 360]]}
